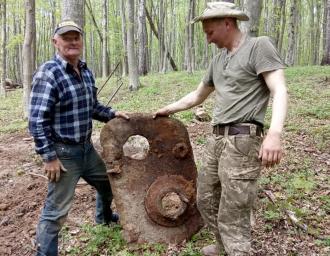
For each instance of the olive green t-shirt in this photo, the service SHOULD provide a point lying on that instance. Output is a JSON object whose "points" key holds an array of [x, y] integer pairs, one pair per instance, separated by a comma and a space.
{"points": [[241, 94]]}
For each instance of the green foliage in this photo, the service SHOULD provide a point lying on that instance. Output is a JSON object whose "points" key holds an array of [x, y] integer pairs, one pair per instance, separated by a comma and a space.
{"points": [[190, 250], [201, 140], [102, 236], [15, 41], [308, 115], [302, 183], [272, 212], [325, 199], [11, 113], [325, 242], [98, 238]]}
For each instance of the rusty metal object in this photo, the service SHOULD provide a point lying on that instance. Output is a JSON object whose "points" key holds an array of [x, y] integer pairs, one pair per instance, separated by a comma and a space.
{"points": [[156, 196]]}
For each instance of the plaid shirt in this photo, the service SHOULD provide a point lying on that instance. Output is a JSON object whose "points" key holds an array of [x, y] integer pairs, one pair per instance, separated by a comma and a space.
{"points": [[62, 106]]}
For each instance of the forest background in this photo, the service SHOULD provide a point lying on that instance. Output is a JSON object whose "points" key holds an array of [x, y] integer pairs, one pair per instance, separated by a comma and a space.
{"points": [[151, 49], [157, 33]]}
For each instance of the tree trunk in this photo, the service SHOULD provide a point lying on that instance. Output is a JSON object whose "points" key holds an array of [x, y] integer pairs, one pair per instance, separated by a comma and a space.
{"points": [[74, 10], [124, 37], [142, 39], [189, 43], [28, 52], [53, 11], [316, 47], [253, 10], [154, 30], [312, 39], [161, 35], [283, 22], [105, 55], [4, 50], [290, 57], [132, 67], [326, 54], [90, 10], [278, 6]]}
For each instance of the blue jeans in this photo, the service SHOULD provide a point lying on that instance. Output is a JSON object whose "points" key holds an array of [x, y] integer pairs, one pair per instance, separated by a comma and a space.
{"points": [[80, 161]]}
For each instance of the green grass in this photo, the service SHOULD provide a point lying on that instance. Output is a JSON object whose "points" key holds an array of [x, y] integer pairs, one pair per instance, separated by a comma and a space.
{"points": [[299, 182], [11, 113]]}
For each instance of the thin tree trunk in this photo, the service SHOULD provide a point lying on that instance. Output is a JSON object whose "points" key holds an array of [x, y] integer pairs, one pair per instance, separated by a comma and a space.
{"points": [[28, 52], [124, 37], [189, 43], [74, 10], [326, 54], [90, 10], [4, 50], [316, 47], [290, 57], [142, 39], [276, 20], [324, 26], [53, 10], [154, 30], [161, 39], [253, 10], [311, 31], [280, 41], [105, 59], [132, 67]]}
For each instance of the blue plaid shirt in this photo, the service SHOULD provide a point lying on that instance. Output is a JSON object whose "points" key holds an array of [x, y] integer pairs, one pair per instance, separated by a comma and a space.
{"points": [[62, 106]]}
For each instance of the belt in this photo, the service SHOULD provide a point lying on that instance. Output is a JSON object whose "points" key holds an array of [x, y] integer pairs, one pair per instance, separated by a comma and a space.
{"points": [[238, 129]]}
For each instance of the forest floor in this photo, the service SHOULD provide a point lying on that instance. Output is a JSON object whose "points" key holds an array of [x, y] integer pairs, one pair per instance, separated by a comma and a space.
{"points": [[23, 195], [300, 185]]}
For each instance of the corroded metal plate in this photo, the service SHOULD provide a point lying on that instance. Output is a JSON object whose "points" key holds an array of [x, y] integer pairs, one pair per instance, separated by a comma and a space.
{"points": [[155, 196]]}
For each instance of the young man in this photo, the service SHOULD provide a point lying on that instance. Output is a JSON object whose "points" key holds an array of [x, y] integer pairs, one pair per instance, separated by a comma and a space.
{"points": [[243, 75], [63, 104]]}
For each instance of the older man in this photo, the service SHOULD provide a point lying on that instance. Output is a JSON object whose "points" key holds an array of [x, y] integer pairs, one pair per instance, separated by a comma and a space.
{"points": [[243, 75], [63, 104]]}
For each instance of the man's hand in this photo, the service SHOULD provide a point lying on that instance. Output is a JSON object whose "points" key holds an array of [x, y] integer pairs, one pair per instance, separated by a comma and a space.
{"points": [[271, 150], [121, 114], [162, 112], [53, 170]]}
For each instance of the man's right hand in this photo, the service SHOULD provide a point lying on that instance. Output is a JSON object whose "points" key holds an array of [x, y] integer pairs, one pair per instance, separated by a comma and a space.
{"points": [[53, 170], [162, 112]]}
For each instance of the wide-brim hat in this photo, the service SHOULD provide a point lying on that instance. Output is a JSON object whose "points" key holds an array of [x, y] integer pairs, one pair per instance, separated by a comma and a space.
{"points": [[66, 26], [221, 10]]}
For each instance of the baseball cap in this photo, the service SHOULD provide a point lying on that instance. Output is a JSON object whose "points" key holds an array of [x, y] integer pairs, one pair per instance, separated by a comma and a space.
{"points": [[66, 26]]}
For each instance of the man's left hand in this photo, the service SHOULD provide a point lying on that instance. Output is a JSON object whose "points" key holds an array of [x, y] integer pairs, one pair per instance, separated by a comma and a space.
{"points": [[271, 150], [121, 114]]}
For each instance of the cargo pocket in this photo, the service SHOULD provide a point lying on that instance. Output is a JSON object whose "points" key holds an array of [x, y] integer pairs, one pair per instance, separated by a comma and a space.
{"points": [[243, 152]]}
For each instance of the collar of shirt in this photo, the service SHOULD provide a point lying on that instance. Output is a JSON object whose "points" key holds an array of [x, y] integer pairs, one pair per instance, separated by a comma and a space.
{"points": [[66, 65]]}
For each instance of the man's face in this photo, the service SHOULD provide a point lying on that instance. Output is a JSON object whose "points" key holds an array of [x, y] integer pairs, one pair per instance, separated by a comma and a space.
{"points": [[69, 45], [215, 31]]}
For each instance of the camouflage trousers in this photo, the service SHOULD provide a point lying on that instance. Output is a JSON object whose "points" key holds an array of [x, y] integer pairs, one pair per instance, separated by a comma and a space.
{"points": [[227, 188]]}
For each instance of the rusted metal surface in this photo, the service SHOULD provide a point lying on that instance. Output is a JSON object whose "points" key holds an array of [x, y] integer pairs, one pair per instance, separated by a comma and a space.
{"points": [[156, 196]]}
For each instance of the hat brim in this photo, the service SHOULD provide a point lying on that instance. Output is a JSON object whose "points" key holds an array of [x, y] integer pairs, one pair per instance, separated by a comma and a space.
{"points": [[66, 29], [241, 16]]}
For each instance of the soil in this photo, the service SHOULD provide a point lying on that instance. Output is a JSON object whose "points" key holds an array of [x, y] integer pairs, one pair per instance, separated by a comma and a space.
{"points": [[23, 191]]}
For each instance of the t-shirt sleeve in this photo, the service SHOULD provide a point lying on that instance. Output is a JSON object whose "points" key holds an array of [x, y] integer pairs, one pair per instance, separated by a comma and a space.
{"points": [[208, 77], [266, 57]]}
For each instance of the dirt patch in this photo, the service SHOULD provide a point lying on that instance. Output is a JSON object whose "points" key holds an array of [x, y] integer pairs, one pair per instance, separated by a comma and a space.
{"points": [[23, 193], [22, 196]]}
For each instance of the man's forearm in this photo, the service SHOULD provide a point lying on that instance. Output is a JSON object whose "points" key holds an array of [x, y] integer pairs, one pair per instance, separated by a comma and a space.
{"points": [[190, 100], [279, 110]]}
